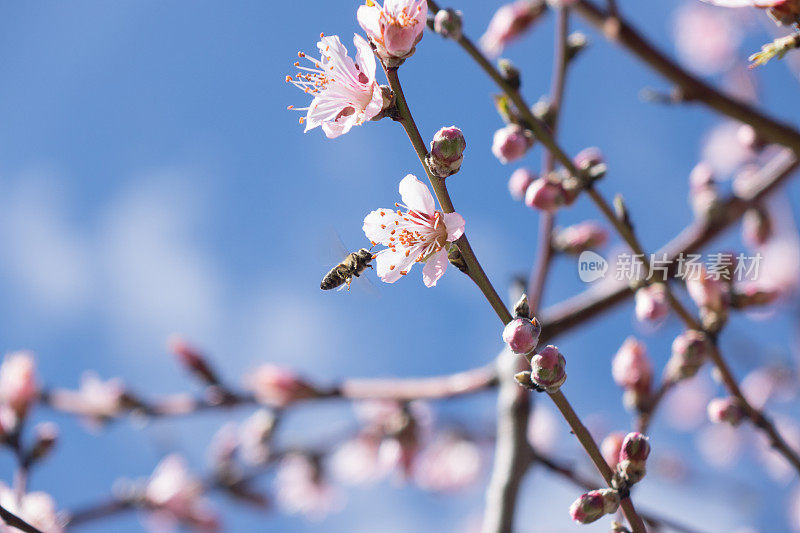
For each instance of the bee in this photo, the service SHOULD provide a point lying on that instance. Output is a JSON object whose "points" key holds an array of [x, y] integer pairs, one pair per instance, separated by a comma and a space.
{"points": [[352, 266]]}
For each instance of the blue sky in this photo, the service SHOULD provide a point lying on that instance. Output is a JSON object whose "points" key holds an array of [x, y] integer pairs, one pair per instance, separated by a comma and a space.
{"points": [[152, 181]]}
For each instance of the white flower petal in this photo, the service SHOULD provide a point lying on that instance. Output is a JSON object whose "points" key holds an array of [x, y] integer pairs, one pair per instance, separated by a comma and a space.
{"points": [[390, 265], [379, 224], [416, 195]]}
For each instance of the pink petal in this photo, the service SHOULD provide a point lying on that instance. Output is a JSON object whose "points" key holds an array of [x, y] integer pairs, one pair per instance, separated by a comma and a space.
{"points": [[455, 226], [369, 19], [378, 227], [434, 268], [416, 195], [365, 59]]}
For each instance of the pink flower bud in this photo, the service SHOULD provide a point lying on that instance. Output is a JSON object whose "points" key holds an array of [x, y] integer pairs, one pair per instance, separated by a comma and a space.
{"points": [[548, 369], [272, 385], [690, 350], [510, 143], [578, 238], [635, 447], [19, 387], [545, 195], [447, 23], [610, 448], [651, 303], [702, 176], [447, 151], [631, 366], [192, 359], [588, 157], [522, 335], [508, 23], [394, 29], [594, 505], [175, 495], [752, 294], [519, 181], [707, 292], [725, 410]]}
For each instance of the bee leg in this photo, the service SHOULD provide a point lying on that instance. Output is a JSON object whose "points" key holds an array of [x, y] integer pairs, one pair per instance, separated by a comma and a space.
{"points": [[349, 281]]}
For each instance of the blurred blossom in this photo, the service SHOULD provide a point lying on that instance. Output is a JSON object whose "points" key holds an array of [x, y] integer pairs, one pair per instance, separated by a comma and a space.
{"points": [[508, 23], [723, 149], [546, 195], [519, 181], [780, 263], [720, 445], [587, 235], [254, 436], [450, 462], [611, 447], [276, 386], [36, 508], [510, 143], [774, 463], [223, 447], [631, 367], [175, 497], [725, 410], [96, 400], [706, 291], [544, 428], [685, 406], [706, 39], [793, 509], [357, 461], [756, 228], [651, 303], [19, 385], [301, 488], [766, 382]]}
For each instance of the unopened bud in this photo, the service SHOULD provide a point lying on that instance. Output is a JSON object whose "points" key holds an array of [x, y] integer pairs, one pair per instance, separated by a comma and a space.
{"points": [[522, 335], [593, 505], [511, 142], [576, 43], [578, 238], [46, 438], [651, 303], [631, 367], [447, 23], [510, 73], [194, 361], [447, 152], [548, 369], [546, 195], [707, 291], [519, 181], [521, 308], [635, 447], [588, 157], [544, 111], [524, 379], [632, 465], [701, 176], [276, 386], [726, 410], [690, 350], [456, 259]]}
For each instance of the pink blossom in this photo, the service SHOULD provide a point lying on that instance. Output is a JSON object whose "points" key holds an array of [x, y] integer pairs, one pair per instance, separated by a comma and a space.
{"points": [[276, 386], [522, 335], [720, 445], [701, 176], [728, 410], [588, 235], [395, 28], [418, 235], [723, 149], [357, 461], [545, 195], [96, 400], [548, 369], [176, 497], [706, 39], [588, 157], [508, 23], [707, 291], [19, 387], [519, 181], [651, 303], [254, 436], [510, 143], [594, 505], [631, 367], [344, 90], [36, 508], [302, 489], [448, 463]]}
